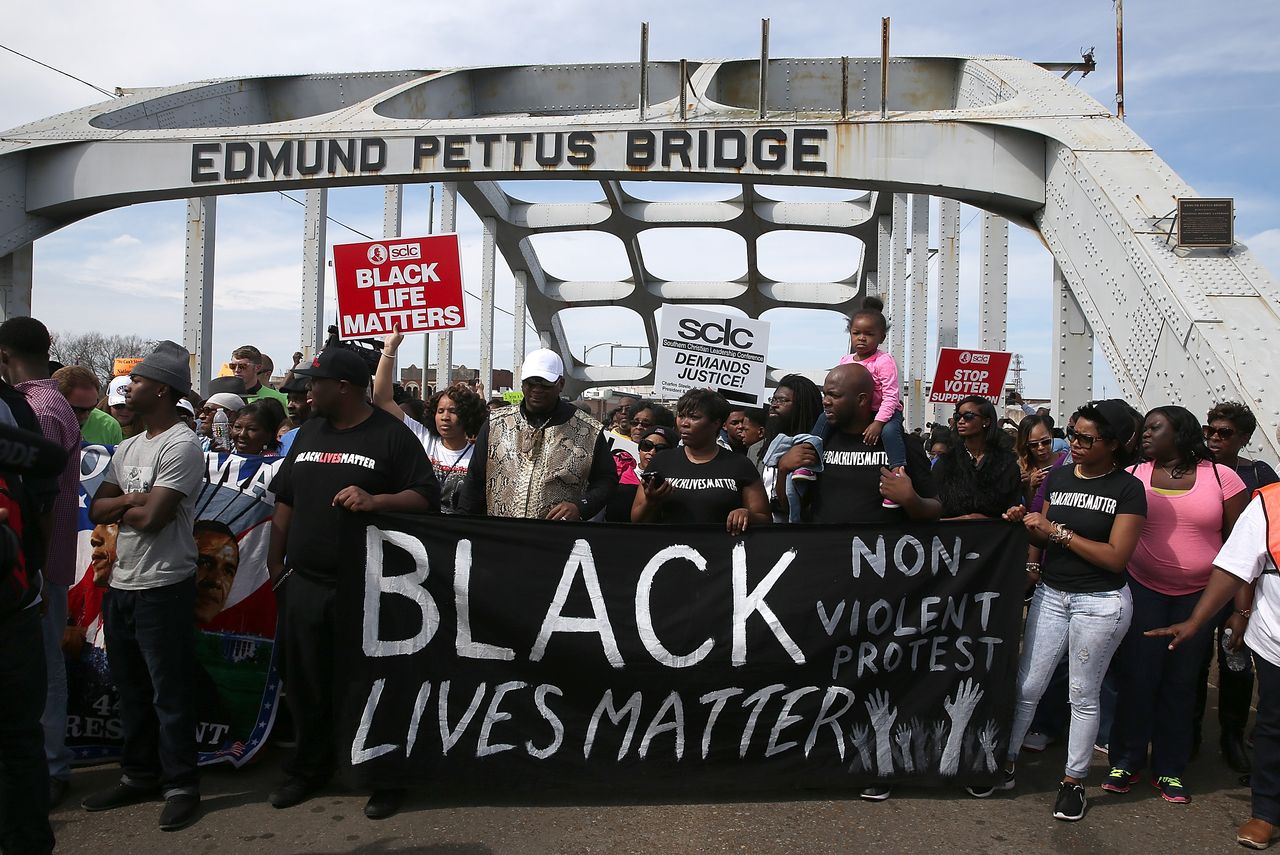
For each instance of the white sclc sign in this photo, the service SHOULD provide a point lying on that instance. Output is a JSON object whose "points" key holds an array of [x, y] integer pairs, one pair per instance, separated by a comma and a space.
{"points": [[699, 349]]}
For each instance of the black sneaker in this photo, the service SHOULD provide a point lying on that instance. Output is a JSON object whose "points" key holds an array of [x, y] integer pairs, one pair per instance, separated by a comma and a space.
{"points": [[383, 803], [58, 788], [878, 793], [179, 811], [293, 791], [121, 795], [1071, 803]]}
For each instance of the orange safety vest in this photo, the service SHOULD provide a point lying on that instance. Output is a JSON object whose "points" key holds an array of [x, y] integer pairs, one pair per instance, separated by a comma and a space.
{"points": [[1270, 495]]}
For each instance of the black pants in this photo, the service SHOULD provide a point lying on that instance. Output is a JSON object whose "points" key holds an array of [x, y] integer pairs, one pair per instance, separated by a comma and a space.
{"points": [[307, 612], [1265, 780], [1235, 688], [1157, 686], [151, 649], [24, 776]]}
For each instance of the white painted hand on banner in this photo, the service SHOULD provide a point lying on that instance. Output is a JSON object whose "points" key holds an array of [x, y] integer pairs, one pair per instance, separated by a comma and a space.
{"points": [[918, 735], [939, 737], [861, 736], [987, 739], [960, 709], [903, 737], [882, 718]]}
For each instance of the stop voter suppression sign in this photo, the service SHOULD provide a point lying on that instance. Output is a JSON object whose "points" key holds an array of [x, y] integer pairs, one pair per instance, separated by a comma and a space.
{"points": [[413, 283], [962, 373]]}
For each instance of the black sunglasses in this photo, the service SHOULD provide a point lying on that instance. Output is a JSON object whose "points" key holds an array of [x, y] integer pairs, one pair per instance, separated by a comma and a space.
{"points": [[1036, 443], [646, 445], [1085, 440], [1225, 433], [968, 416]]}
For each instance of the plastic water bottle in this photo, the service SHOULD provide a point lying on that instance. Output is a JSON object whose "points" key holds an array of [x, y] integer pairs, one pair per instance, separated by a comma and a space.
{"points": [[1237, 660], [221, 430]]}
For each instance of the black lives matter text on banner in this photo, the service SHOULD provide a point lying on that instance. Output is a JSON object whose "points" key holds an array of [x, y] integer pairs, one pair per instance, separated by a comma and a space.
{"points": [[700, 349], [519, 652]]}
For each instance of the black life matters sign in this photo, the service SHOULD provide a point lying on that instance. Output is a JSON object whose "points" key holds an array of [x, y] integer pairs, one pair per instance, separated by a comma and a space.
{"points": [[511, 653]]}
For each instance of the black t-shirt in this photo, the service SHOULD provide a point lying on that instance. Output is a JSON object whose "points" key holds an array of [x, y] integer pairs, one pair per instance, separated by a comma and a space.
{"points": [[380, 455], [703, 492], [1255, 474], [848, 488], [1087, 506]]}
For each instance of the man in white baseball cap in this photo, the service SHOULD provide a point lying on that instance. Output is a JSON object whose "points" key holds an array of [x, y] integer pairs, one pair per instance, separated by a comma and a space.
{"points": [[118, 404], [544, 459]]}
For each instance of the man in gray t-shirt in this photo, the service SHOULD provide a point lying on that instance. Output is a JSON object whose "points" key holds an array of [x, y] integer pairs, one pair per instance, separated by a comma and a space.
{"points": [[150, 491]]}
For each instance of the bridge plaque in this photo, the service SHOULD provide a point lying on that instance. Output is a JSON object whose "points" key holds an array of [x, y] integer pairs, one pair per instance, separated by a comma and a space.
{"points": [[1206, 223]]}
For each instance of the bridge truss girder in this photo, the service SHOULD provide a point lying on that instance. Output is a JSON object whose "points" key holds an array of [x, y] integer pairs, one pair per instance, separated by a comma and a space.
{"points": [[998, 133]]}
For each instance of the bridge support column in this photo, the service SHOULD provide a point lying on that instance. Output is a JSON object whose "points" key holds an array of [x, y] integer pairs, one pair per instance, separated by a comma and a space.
{"points": [[15, 283], [487, 274], [948, 283], [1074, 384], [879, 287], [897, 284], [919, 318], [393, 227], [993, 284], [518, 310], [197, 291], [315, 220], [448, 223]]}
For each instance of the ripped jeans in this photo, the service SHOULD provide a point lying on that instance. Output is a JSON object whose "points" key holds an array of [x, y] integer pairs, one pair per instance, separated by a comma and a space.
{"points": [[1090, 627]]}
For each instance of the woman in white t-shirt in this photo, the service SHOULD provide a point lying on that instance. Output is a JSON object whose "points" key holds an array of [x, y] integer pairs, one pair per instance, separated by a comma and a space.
{"points": [[452, 418]]}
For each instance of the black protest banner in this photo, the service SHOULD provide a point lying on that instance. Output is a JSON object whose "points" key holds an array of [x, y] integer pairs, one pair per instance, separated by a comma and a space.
{"points": [[501, 652]]}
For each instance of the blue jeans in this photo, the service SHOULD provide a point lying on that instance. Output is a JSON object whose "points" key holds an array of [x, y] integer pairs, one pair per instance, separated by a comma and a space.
{"points": [[55, 702], [1157, 687], [152, 653], [895, 442], [24, 778], [1089, 627], [1054, 712]]}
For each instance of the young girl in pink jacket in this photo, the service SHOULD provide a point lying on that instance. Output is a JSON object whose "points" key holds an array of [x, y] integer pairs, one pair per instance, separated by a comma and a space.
{"points": [[867, 330]]}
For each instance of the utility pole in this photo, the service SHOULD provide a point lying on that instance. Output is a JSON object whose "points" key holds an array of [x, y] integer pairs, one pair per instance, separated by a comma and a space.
{"points": [[1120, 59], [1016, 370]]}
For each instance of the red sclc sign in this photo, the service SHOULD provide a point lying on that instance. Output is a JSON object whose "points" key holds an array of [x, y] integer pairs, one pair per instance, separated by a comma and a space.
{"points": [[969, 372], [413, 283]]}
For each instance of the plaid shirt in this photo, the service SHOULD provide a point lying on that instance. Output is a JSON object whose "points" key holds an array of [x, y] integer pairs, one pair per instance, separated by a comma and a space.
{"points": [[59, 424]]}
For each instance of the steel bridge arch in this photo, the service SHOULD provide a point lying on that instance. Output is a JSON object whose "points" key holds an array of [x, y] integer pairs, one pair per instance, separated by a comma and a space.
{"points": [[1002, 134]]}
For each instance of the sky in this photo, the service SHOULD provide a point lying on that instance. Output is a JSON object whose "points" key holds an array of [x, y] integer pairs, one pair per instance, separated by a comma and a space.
{"points": [[1201, 84]]}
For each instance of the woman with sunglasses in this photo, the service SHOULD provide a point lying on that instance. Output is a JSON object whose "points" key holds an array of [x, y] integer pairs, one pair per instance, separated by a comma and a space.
{"points": [[978, 476], [701, 482], [619, 507], [1192, 505], [1088, 527], [1229, 429], [1036, 457]]}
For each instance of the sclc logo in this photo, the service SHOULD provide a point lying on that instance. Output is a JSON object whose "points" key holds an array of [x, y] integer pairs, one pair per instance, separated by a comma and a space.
{"points": [[716, 333]]}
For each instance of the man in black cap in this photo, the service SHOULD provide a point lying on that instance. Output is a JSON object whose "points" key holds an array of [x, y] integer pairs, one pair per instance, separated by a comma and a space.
{"points": [[150, 492], [350, 456], [298, 390]]}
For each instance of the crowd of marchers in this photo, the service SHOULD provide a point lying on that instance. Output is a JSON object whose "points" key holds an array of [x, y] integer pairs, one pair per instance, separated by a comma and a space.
{"points": [[1153, 543]]}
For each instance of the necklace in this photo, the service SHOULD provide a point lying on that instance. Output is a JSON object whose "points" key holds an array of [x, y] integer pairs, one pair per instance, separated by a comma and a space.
{"points": [[1175, 471], [1084, 477]]}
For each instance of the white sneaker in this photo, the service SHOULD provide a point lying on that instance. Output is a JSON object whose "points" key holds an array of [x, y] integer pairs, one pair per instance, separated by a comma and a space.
{"points": [[1035, 742]]}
